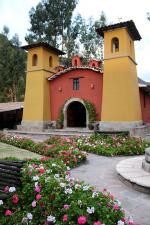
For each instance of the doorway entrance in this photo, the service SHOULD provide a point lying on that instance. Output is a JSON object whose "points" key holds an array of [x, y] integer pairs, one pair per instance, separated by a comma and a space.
{"points": [[76, 115]]}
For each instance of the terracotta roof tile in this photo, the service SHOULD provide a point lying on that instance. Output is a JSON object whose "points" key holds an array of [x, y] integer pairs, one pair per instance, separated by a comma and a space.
{"points": [[9, 106]]}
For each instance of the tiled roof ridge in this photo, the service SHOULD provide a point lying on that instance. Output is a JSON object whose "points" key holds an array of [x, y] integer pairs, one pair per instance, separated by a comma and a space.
{"points": [[74, 68]]}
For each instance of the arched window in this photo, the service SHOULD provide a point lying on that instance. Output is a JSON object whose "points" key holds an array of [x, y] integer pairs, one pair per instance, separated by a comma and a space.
{"points": [[50, 61], [34, 60], [115, 45], [93, 65]]}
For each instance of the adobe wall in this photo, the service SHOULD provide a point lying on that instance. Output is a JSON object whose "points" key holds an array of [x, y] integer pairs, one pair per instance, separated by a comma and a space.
{"points": [[61, 89]]}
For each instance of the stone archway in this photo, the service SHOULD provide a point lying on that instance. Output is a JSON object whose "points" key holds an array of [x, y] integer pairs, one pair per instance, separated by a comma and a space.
{"points": [[75, 113]]}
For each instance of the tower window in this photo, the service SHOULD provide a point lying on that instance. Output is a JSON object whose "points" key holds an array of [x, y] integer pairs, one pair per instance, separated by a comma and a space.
{"points": [[34, 60], [75, 62], [115, 45], [76, 84], [50, 61]]}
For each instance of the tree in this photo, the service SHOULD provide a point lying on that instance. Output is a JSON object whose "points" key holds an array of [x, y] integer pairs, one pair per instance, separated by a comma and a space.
{"points": [[92, 43], [49, 20], [12, 68], [148, 16]]}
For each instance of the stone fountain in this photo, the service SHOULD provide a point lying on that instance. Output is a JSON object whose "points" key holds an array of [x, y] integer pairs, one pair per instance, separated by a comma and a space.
{"points": [[146, 160]]}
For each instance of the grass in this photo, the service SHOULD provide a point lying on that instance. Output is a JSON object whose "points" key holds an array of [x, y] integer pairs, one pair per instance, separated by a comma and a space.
{"points": [[11, 151]]}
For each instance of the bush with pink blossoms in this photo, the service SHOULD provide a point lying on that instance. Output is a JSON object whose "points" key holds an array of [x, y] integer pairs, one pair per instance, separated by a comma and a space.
{"points": [[112, 145], [54, 197]]}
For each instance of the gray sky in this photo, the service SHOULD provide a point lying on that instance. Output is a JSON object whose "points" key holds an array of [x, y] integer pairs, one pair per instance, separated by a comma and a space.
{"points": [[14, 14]]}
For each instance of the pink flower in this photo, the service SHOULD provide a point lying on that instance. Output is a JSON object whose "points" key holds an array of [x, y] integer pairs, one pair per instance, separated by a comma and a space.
{"points": [[82, 220], [37, 188], [38, 197], [8, 212], [130, 223], [66, 206], [6, 189], [97, 223], [116, 207], [41, 170], [65, 218], [15, 199], [34, 204]]}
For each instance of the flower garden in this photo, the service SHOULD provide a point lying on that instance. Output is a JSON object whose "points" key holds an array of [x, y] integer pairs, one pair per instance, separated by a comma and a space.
{"points": [[49, 195]]}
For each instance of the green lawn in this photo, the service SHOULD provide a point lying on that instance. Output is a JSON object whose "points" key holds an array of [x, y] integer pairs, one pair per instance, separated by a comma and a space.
{"points": [[11, 151]]}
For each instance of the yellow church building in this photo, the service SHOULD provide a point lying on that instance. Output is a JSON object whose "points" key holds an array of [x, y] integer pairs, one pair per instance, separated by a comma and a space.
{"points": [[55, 94]]}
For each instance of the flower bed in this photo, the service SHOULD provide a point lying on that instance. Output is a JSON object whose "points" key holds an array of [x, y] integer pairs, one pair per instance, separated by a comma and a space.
{"points": [[112, 145], [50, 196], [65, 149]]}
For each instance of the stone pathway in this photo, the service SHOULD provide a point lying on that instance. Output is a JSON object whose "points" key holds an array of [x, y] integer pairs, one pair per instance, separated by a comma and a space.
{"points": [[100, 172], [11, 151]]}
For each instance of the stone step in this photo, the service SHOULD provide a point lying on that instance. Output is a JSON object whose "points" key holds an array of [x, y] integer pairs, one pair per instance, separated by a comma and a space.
{"points": [[49, 132]]}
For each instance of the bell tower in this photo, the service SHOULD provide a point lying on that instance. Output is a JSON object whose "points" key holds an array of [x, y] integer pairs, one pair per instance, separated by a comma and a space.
{"points": [[42, 59], [120, 101]]}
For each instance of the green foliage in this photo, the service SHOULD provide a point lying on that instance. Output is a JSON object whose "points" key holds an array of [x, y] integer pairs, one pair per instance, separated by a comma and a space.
{"points": [[91, 111], [49, 192], [64, 149], [112, 145], [49, 20], [92, 43], [88, 105], [12, 68]]}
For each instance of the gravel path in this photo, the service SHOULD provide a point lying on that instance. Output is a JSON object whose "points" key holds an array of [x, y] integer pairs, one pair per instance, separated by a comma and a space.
{"points": [[100, 172], [11, 151]]}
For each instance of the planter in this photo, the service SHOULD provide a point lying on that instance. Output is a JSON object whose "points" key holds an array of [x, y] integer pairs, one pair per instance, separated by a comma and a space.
{"points": [[90, 126]]}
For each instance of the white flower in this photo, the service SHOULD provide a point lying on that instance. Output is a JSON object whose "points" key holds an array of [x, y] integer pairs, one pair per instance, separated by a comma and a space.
{"points": [[77, 186], [80, 203], [56, 176], [118, 202], [68, 191], [12, 189], [90, 210], [62, 185], [1, 202], [120, 222], [35, 178], [29, 216], [67, 177], [36, 184], [48, 171], [85, 188], [53, 164], [51, 219], [68, 168], [94, 194]]}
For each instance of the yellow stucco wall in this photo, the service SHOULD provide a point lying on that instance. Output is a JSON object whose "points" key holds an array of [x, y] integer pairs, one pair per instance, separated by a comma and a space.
{"points": [[37, 99], [120, 100]]}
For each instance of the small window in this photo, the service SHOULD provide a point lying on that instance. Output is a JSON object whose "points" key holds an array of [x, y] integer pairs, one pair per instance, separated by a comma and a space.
{"points": [[50, 61], [115, 45], [93, 65], [76, 84], [75, 62], [34, 60]]}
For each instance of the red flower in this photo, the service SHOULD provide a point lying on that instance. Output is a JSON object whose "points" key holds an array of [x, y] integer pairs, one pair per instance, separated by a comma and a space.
{"points": [[8, 212], [82, 220], [15, 199], [65, 218]]}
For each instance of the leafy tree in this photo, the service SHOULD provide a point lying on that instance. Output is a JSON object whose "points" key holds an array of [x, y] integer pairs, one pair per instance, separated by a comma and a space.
{"points": [[49, 20], [12, 68], [92, 43]]}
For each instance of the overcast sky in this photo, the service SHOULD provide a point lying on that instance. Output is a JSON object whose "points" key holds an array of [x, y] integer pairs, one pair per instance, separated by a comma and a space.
{"points": [[14, 14]]}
